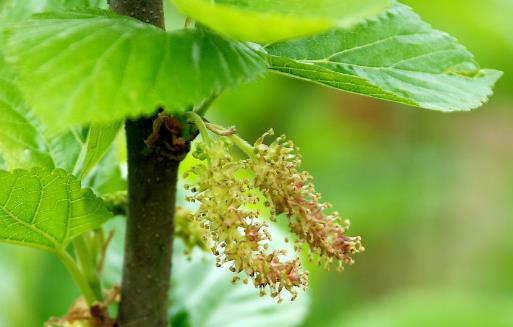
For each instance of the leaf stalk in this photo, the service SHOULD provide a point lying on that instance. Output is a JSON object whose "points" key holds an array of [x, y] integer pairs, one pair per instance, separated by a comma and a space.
{"points": [[79, 278]]}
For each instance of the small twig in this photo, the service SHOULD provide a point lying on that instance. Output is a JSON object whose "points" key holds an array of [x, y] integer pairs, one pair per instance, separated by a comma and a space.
{"points": [[230, 132], [103, 252], [199, 122], [221, 131], [187, 23]]}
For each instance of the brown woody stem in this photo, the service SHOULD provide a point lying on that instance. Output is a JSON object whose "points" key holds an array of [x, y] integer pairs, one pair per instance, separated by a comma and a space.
{"points": [[152, 182]]}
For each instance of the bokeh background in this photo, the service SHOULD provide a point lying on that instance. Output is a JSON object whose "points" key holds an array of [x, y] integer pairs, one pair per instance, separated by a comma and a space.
{"points": [[431, 194]]}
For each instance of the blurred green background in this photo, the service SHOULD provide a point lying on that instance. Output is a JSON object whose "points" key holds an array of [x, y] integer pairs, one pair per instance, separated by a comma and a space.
{"points": [[431, 194]]}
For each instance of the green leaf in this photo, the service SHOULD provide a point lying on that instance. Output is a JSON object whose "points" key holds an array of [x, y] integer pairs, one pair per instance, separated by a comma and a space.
{"points": [[270, 20], [66, 147], [110, 173], [396, 57], [72, 4], [96, 66], [14, 10], [99, 140], [46, 209], [206, 295], [202, 294], [25, 142], [21, 142], [78, 150]]}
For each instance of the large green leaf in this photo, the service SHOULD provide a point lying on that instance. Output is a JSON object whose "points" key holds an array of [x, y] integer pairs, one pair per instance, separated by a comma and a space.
{"points": [[66, 147], [20, 140], [202, 294], [79, 150], [26, 143], [46, 209], [14, 10], [395, 57], [270, 20], [100, 67], [99, 140], [110, 175]]}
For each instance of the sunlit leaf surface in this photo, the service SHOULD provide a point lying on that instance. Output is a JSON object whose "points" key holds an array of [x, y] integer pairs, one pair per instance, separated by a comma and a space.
{"points": [[395, 57]]}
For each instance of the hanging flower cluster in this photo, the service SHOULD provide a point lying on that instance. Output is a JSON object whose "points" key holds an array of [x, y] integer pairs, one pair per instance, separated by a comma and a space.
{"points": [[230, 193], [238, 236], [278, 176]]}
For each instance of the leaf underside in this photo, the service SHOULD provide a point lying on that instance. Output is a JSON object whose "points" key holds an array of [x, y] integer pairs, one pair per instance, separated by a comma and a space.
{"points": [[14, 10], [46, 209], [206, 293], [25, 142], [270, 20], [95, 66], [395, 57], [20, 139], [99, 140]]}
